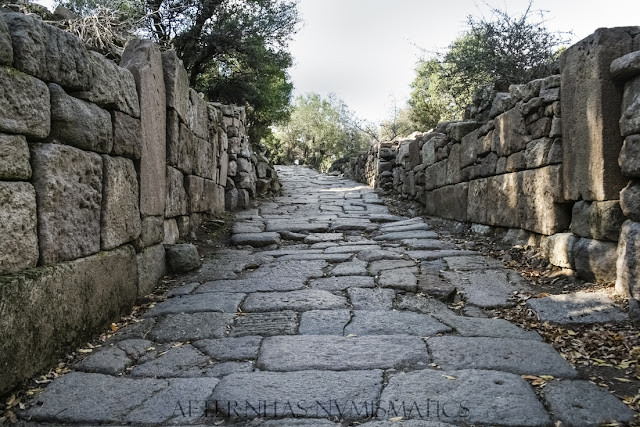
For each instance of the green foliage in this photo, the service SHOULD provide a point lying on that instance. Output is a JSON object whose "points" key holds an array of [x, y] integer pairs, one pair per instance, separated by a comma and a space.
{"points": [[318, 132], [493, 52]]}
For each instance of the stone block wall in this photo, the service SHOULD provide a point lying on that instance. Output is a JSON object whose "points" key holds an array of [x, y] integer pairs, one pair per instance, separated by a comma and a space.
{"points": [[540, 162], [100, 165]]}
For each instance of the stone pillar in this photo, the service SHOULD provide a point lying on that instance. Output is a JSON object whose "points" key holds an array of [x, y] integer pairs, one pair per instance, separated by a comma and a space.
{"points": [[144, 60]]}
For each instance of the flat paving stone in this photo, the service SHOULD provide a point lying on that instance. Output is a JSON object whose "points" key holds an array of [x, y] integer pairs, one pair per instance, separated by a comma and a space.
{"points": [[296, 226], [323, 237], [406, 423], [399, 278], [427, 244], [109, 361], [257, 240], [324, 322], [309, 352], [421, 304], [350, 249], [222, 302], [340, 283], [437, 254], [376, 267], [225, 349], [302, 394], [367, 322], [433, 285], [465, 396], [577, 307], [354, 267], [407, 227], [191, 327], [176, 362], [371, 299], [351, 224], [183, 290], [473, 262], [400, 235], [247, 227], [582, 403], [479, 327], [500, 354], [266, 324], [330, 258], [403, 222], [308, 299], [487, 288], [371, 255], [295, 422]]}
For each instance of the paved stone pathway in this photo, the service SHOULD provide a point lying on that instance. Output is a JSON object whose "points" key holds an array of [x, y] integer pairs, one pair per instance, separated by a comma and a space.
{"points": [[328, 312]]}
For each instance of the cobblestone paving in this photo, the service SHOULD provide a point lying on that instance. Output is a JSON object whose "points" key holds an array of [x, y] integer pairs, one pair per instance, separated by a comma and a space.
{"points": [[327, 313]]}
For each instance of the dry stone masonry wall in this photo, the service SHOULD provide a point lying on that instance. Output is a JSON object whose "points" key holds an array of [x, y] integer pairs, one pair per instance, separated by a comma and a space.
{"points": [[100, 165], [544, 163]]}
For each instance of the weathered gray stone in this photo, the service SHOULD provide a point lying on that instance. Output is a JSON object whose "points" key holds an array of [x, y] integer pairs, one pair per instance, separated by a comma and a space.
{"points": [[538, 197], [473, 262], [49, 53], [630, 156], [112, 87], [151, 268], [376, 267], [323, 237], [499, 354], [487, 288], [597, 220], [399, 278], [24, 103], [191, 327], [537, 152], [481, 327], [183, 257], [197, 115], [418, 234], [109, 361], [371, 299], [473, 396], [630, 120], [176, 82], [407, 227], [558, 249], [350, 224], [127, 135], [171, 232], [438, 254], [256, 239], [626, 66], [370, 255], [79, 123], [367, 322], [630, 200], [591, 109], [220, 302], [577, 307], [595, 260], [355, 267], [308, 299], [431, 284], [510, 134], [68, 184], [628, 267], [225, 349], [540, 128], [324, 322], [582, 403], [296, 226], [120, 220], [14, 157], [266, 324], [18, 227], [309, 352], [354, 392], [143, 59], [78, 297], [176, 199], [457, 130], [331, 258], [5, 44], [341, 249], [183, 361], [340, 283]]}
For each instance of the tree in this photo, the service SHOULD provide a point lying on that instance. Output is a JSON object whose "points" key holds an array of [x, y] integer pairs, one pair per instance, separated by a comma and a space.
{"points": [[398, 123], [430, 103], [318, 132]]}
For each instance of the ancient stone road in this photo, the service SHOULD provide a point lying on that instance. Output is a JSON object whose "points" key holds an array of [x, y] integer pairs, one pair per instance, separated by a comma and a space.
{"points": [[329, 311]]}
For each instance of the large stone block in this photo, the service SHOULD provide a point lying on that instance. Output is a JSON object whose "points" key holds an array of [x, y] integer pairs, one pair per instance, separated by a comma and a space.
{"points": [[469, 149], [112, 87], [48, 311], [454, 168], [595, 260], [68, 183], [198, 115], [176, 83], [14, 157], [628, 263], [630, 156], [25, 105], [630, 200], [452, 201], [510, 134], [538, 204], [626, 66], [630, 120], [79, 123], [202, 194], [127, 135], [151, 268], [18, 231], [537, 153], [176, 200], [151, 232], [502, 200], [477, 201], [120, 211], [203, 162], [408, 154], [143, 59], [591, 109], [597, 220], [5, 44], [49, 53], [558, 249]]}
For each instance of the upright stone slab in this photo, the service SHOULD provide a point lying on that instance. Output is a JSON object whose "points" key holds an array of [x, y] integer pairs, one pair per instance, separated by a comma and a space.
{"points": [[151, 268], [127, 135], [120, 212], [143, 59], [68, 183], [14, 157], [25, 105], [18, 238], [176, 82], [591, 109], [628, 263], [538, 195], [176, 201]]}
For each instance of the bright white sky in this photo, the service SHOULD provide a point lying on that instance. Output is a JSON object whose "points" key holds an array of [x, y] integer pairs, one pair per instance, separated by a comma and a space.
{"points": [[365, 51]]}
